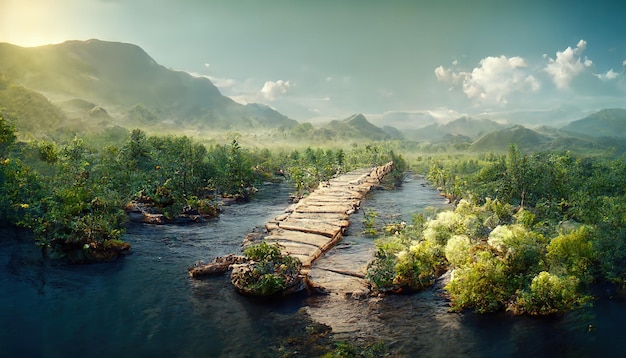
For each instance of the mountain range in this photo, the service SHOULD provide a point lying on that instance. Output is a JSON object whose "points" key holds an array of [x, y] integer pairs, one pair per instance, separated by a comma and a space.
{"points": [[129, 85], [91, 85]]}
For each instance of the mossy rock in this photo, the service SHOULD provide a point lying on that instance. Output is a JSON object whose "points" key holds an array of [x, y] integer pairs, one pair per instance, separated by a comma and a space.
{"points": [[268, 272]]}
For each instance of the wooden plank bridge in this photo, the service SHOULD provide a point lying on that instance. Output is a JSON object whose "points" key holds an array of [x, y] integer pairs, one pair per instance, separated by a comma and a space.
{"points": [[317, 222], [313, 226]]}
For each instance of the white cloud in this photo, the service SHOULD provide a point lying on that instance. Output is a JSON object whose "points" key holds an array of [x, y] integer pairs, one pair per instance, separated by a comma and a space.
{"points": [[493, 80], [609, 75], [567, 65], [271, 90], [207, 65], [454, 79]]}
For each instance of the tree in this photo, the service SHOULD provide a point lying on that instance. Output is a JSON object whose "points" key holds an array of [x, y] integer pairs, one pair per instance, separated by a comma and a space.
{"points": [[7, 137]]}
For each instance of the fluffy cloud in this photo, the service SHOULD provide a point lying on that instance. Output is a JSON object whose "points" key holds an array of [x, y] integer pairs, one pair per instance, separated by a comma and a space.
{"points": [[493, 80], [271, 90], [567, 65], [609, 75]]}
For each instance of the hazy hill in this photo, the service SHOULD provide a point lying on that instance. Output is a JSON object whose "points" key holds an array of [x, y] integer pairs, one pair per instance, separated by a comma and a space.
{"points": [[118, 76], [605, 123], [29, 111], [357, 126], [525, 139], [463, 126], [558, 116]]}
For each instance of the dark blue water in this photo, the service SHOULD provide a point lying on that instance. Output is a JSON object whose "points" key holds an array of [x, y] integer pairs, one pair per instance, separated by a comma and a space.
{"points": [[145, 304]]}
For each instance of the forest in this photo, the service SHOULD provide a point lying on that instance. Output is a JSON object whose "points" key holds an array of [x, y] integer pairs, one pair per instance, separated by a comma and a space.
{"points": [[74, 196]]}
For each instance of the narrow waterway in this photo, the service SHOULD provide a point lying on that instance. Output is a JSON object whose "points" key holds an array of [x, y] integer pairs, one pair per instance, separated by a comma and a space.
{"points": [[146, 305]]}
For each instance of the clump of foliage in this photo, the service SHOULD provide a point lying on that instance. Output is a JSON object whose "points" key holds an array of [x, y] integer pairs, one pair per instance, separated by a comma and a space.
{"points": [[496, 260], [80, 212], [549, 294], [369, 222], [529, 233], [406, 260], [348, 350], [268, 271]]}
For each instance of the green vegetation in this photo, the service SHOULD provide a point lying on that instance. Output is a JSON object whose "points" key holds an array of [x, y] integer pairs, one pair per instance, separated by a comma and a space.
{"points": [[268, 273], [529, 234], [72, 192]]}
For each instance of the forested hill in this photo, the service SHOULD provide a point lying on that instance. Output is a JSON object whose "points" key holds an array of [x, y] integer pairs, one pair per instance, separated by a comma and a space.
{"points": [[118, 77], [605, 123]]}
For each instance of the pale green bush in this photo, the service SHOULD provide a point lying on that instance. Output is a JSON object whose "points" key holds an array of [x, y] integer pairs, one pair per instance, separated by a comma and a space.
{"points": [[549, 294], [458, 250], [572, 254]]}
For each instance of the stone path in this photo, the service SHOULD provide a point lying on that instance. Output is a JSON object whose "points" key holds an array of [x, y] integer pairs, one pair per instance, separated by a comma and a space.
{"points": [[316, 223]]}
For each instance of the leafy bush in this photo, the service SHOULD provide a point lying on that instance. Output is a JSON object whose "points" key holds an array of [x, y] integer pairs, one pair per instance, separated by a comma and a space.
{"points": [[418, 267], [572, 254], [481, 285], [268, 272], [458, 250], [521, 249], [381, 271], [549, 294]]}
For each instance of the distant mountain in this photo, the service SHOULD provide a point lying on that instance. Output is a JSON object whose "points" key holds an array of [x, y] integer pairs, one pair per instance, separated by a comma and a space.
{"points": [[463, 126], [357, 126], [405, 120], [30, 112], [526, 140], [558, 116], [605, 123], [118, 77]]}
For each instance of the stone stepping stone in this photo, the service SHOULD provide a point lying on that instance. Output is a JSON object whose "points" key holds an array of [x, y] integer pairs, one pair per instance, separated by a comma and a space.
{"points": [[319, 241], [312, 226]]}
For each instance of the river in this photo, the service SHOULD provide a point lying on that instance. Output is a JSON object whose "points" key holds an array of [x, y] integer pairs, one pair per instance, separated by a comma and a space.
{"points": [[146, 305]]}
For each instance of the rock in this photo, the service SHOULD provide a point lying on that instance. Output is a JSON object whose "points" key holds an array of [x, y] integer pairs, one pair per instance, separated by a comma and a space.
{"points": [[220, 265], [360, 294], [252, 238]]}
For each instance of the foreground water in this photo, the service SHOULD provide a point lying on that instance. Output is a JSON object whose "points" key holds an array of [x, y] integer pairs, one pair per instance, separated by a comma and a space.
{"points": [[145, 304]]}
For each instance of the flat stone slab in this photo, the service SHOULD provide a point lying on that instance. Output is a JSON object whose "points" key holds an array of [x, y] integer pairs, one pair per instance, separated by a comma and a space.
{"points": [[347, 258], [327, 217], [295, 248], [336, 283], [340, 192], [312, 218], [311, 226], [325, 209], [319, 241]]}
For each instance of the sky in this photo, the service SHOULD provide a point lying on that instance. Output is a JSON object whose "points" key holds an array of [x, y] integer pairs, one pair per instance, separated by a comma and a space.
{"points": [[329, 59]]}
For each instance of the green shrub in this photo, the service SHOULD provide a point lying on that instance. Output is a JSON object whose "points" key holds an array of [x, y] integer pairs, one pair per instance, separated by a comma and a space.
{"points": [[572, 254], [458, 250], [549, 294], [417, 268], [481, 285], [268, 273], [381, 271]]}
